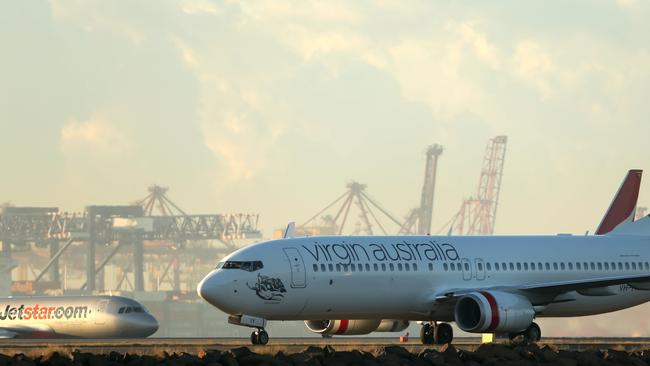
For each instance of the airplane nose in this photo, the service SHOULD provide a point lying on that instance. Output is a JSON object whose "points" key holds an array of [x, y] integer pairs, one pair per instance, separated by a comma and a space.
{"points": [[150, 325], [207, 288], [145, 324]]}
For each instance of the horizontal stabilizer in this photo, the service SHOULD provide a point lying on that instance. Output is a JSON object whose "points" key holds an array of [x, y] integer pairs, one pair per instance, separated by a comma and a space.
{"points": [[623, 206]]}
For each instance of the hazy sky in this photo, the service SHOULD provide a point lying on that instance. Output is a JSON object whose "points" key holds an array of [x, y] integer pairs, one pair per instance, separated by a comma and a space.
{"points": [[272, 107]]}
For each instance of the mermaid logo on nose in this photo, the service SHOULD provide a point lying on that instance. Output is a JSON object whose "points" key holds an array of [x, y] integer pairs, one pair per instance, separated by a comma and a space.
{"points": [[268, 288]]}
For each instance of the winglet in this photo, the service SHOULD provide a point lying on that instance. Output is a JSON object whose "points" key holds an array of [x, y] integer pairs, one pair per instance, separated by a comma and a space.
{"points": [[623, 206], [290, 231]]}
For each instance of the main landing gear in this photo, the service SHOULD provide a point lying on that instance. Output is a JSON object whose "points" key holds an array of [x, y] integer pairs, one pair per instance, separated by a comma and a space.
{"points": [[531, 334], [436, 333], [260, 336]]}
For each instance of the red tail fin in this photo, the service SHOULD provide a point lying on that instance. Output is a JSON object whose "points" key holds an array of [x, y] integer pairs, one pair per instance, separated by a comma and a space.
{"points": [[623, 206]]}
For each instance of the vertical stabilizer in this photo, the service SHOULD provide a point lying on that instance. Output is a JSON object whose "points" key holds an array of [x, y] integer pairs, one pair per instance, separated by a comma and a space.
{"points": [[623, 206]]}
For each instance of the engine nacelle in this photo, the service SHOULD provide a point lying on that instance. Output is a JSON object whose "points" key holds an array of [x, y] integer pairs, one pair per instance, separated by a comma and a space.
{"points": [[391, 325], [355, 327], [493, 311]]}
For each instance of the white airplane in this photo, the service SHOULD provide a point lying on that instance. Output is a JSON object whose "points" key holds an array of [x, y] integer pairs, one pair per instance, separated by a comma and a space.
{"points": [[349, 285], [74, 317]]}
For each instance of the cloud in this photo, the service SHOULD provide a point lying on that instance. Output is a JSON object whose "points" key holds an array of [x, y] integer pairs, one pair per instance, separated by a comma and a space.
{"points": [[94, 136], [534, 66]]}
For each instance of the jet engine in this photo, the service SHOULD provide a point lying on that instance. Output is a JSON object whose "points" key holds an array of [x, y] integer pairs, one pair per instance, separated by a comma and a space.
{"points": [[493, 311], [355, 327]]}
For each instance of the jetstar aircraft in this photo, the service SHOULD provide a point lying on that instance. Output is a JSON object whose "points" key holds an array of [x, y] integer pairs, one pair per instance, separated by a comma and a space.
{"points": [[352, 285], [74, 317]]}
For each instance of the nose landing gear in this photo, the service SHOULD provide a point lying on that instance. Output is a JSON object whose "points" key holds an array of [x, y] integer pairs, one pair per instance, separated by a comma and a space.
{"points": [[436, 333], [260, 336]]}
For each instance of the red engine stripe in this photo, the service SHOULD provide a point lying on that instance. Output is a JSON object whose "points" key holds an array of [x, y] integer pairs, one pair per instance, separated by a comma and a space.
{"points": [[493, 308], [343, 327]]}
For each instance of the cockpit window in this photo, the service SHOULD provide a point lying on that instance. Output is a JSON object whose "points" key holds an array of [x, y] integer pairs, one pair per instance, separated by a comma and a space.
{"points": [[137, 309], [121, 311], [128, 309], [250, 266]]}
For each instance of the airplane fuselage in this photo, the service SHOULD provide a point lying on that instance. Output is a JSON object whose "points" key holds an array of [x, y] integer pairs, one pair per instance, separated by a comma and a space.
{"points": [[74, 317], [398, 277]]}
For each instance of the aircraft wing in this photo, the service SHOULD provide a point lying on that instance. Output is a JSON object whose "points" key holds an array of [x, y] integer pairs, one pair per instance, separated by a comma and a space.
{"points": [[548, 288]]}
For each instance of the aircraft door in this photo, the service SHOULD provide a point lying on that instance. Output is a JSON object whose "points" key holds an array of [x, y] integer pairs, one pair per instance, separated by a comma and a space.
{"points": [[100, 317], [480, 269], [467, 269], [298, 275]]}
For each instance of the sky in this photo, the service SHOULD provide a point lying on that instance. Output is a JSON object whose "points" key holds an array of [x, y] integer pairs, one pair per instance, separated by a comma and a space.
{"points": [[274, 106]]}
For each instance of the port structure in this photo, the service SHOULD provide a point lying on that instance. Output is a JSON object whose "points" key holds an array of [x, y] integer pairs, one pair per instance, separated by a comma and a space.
{"points": [[370, 212], [477, 214], [109, 230], [419, 219]]}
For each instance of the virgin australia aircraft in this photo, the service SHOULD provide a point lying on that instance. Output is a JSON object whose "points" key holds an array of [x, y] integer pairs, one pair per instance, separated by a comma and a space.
{"points": [[351, 285], [74, 317]]}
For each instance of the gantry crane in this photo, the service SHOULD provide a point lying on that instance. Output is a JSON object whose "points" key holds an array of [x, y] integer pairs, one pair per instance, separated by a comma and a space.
{"points": [[419, 219], [477, 215]]}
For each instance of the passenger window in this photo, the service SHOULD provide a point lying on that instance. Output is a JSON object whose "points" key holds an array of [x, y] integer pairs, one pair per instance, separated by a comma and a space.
{"points": [[322, 267], [488, 266], [360, 267], [480, 266], [606, 266], [627, 266], [367, 267], [503, 266], [376, 267], [399, 267], [562, 266], [496, 266], [431, 266], [532, 266], [407, 266], [578, 266], [586, 266], [613, 266], [338, 267], [331, 267], [392, 267], [121, 311], [633, 266], [415, 266], [353, 269], [592, 266], [512, 266], [453, 266], [444, 266], [600, 266], [548, 266], [647, 266], [555, 266], [315, 267], [467, 267], [383, 267], [525, 266], [570, 266]]}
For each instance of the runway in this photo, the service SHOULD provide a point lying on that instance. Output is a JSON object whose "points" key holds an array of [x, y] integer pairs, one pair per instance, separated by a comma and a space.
{"points": [[156, 346]]}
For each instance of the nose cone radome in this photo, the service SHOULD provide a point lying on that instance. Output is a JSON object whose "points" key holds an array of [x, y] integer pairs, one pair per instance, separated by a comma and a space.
{"points": [[208, 289], [144, 325]]}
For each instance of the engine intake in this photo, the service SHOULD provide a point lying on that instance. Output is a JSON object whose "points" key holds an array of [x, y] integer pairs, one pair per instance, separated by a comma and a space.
{"points": [[493, 311]]}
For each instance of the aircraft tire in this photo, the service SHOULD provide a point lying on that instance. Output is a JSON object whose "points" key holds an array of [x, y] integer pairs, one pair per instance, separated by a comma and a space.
{"points": [[443, 333], [426, 333], [533, 333], [262, 337], [254, 337]]}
